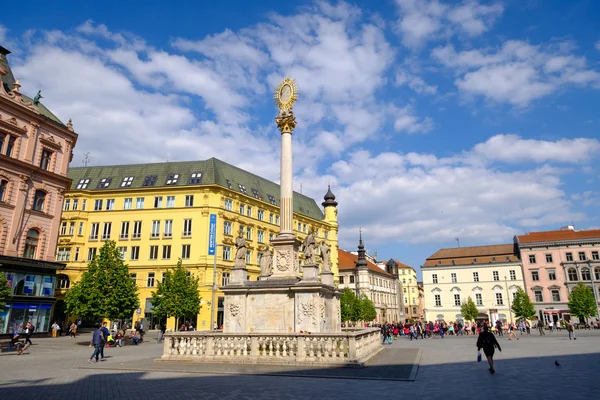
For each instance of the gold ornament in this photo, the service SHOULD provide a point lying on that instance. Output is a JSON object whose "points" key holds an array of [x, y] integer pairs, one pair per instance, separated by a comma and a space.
{"points": [[286, 94]]}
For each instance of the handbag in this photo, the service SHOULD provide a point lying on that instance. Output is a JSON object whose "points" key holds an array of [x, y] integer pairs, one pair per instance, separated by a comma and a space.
{"points": [[478, 355], [390, 340]]}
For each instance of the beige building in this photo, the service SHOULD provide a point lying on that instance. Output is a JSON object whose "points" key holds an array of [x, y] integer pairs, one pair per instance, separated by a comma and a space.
{"points": [[490, 275], [35, 151], [364, 277], [410, 299]]}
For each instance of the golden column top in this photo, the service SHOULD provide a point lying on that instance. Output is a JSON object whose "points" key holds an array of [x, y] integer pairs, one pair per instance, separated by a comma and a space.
{"points": [[285, 96]]}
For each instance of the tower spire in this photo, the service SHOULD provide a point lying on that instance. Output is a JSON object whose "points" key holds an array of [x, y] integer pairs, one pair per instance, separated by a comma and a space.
{"points": [[362, 260]]}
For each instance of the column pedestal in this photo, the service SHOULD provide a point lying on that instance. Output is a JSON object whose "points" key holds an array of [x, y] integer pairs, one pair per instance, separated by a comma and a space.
{"points": [[285, 257]]}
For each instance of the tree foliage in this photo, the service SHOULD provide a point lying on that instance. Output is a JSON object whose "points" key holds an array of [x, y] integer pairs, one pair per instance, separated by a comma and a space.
{"points": [[367, 309], [469, 310], [4, 291], [522, 306], [582, 302], [349, 306], [356, 308], [105, 290], [178, 296]]}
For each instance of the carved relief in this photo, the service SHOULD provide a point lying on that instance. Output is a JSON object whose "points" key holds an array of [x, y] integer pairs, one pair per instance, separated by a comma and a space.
{"points": [[307, 311], [283, 260], [234, 316]]}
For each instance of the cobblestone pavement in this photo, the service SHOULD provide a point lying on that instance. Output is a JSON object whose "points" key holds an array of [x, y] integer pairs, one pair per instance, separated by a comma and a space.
{"points": [[58, 369]]}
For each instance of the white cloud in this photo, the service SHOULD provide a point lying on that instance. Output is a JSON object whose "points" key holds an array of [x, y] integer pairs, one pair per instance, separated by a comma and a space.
{"points": [[517, 73], [414, 82], [514, 149], [429, 200], [406, 121], [423, 20], [598, 45]]}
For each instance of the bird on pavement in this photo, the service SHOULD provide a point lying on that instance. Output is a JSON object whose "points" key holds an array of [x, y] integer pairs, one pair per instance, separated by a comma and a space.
{"points": [[556, 363]]}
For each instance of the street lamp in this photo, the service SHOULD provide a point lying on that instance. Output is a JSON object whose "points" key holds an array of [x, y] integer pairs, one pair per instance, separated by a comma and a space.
{"points": [[508, 296], [214, 289]]}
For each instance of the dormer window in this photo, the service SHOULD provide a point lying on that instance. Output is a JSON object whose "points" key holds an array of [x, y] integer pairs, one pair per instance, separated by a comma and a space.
{"points": [[149, 180], [229, 184], [195, 178], [172, 179], [127, 181], [474, 260], [242, 188], [256, 193], [272, 199], [83, 184], [104, 183]]}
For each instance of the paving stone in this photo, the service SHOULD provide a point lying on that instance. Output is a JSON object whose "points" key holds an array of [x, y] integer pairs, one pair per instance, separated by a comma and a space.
{"points": [[58, 369]]}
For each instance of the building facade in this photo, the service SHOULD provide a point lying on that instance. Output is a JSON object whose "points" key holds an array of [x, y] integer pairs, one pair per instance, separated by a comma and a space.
{"points": [[554, 262], [35, 151], [490, 275], [160, 213], [364, 277], [407, 277]]}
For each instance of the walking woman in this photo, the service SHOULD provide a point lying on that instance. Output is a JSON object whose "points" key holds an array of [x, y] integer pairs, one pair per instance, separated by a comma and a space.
{"points": [[487, 341], [511, 331]]}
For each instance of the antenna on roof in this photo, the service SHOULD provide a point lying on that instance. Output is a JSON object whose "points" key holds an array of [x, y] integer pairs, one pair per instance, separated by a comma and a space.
{"points": [[86, 159], [300, 187], [457, 242]]}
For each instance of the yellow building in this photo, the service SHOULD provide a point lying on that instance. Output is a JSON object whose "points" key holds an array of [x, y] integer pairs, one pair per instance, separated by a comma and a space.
{"points": [[158, 213]]}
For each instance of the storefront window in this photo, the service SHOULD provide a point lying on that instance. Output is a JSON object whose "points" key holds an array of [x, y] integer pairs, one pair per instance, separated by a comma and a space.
{"points": [[20, 313]]}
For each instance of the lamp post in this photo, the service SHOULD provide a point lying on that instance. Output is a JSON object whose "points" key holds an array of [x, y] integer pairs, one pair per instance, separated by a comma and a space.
{"points": [[214, 289], [508, 296]]}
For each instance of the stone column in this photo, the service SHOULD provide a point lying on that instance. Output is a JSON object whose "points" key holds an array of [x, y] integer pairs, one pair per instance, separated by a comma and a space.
{"points": [[286, 122], [285, 245]]}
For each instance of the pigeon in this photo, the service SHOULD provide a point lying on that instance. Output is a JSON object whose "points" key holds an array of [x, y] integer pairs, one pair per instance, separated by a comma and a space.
{"points": [[556, 363]]}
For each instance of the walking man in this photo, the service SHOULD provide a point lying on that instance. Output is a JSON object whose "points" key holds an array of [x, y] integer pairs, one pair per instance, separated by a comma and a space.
{"points": [[571, 330], [97, 342], [540, 326], [105, 334]]}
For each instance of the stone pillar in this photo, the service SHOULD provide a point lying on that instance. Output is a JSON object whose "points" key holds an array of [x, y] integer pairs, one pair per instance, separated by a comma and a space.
{"points": [[327, 278], [285, 245], [286, 122], [310, 272]]}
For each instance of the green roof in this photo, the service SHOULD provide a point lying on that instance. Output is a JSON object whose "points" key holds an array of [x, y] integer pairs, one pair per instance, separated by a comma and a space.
{"points": [[213, 172]]}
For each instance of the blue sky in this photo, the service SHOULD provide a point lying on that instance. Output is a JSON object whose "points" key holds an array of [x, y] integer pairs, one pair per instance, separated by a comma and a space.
{"points": [[432, 120]]}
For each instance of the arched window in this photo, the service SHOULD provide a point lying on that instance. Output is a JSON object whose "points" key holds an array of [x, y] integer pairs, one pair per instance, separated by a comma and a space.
{"points": [[3, 190], [31, 243], [597, 273], [585, 274], [572, 274], [38, 200], [63, 281]]}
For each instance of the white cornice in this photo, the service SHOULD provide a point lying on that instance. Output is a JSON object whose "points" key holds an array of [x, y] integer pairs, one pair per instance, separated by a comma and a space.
{"points": [[472, 266]]}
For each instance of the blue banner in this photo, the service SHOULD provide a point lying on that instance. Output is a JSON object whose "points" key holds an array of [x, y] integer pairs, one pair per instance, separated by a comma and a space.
{"points": [[212, 235]]}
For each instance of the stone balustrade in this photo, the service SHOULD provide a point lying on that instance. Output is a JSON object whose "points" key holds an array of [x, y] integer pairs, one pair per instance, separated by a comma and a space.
{"points": [[350, 347]]}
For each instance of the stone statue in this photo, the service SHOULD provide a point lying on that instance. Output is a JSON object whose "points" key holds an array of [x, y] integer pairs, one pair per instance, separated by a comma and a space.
{"points": [[266, 262], [325, 256], [240, 253], [308, 248], [36, 99]]}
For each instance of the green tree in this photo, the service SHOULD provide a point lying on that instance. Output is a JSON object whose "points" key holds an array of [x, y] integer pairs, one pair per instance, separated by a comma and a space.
{"points": [[522, 306], [4, 291], [367, 309], [582, 302], [469, 310], [178, 296], [105, 290], [349, 306]]}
